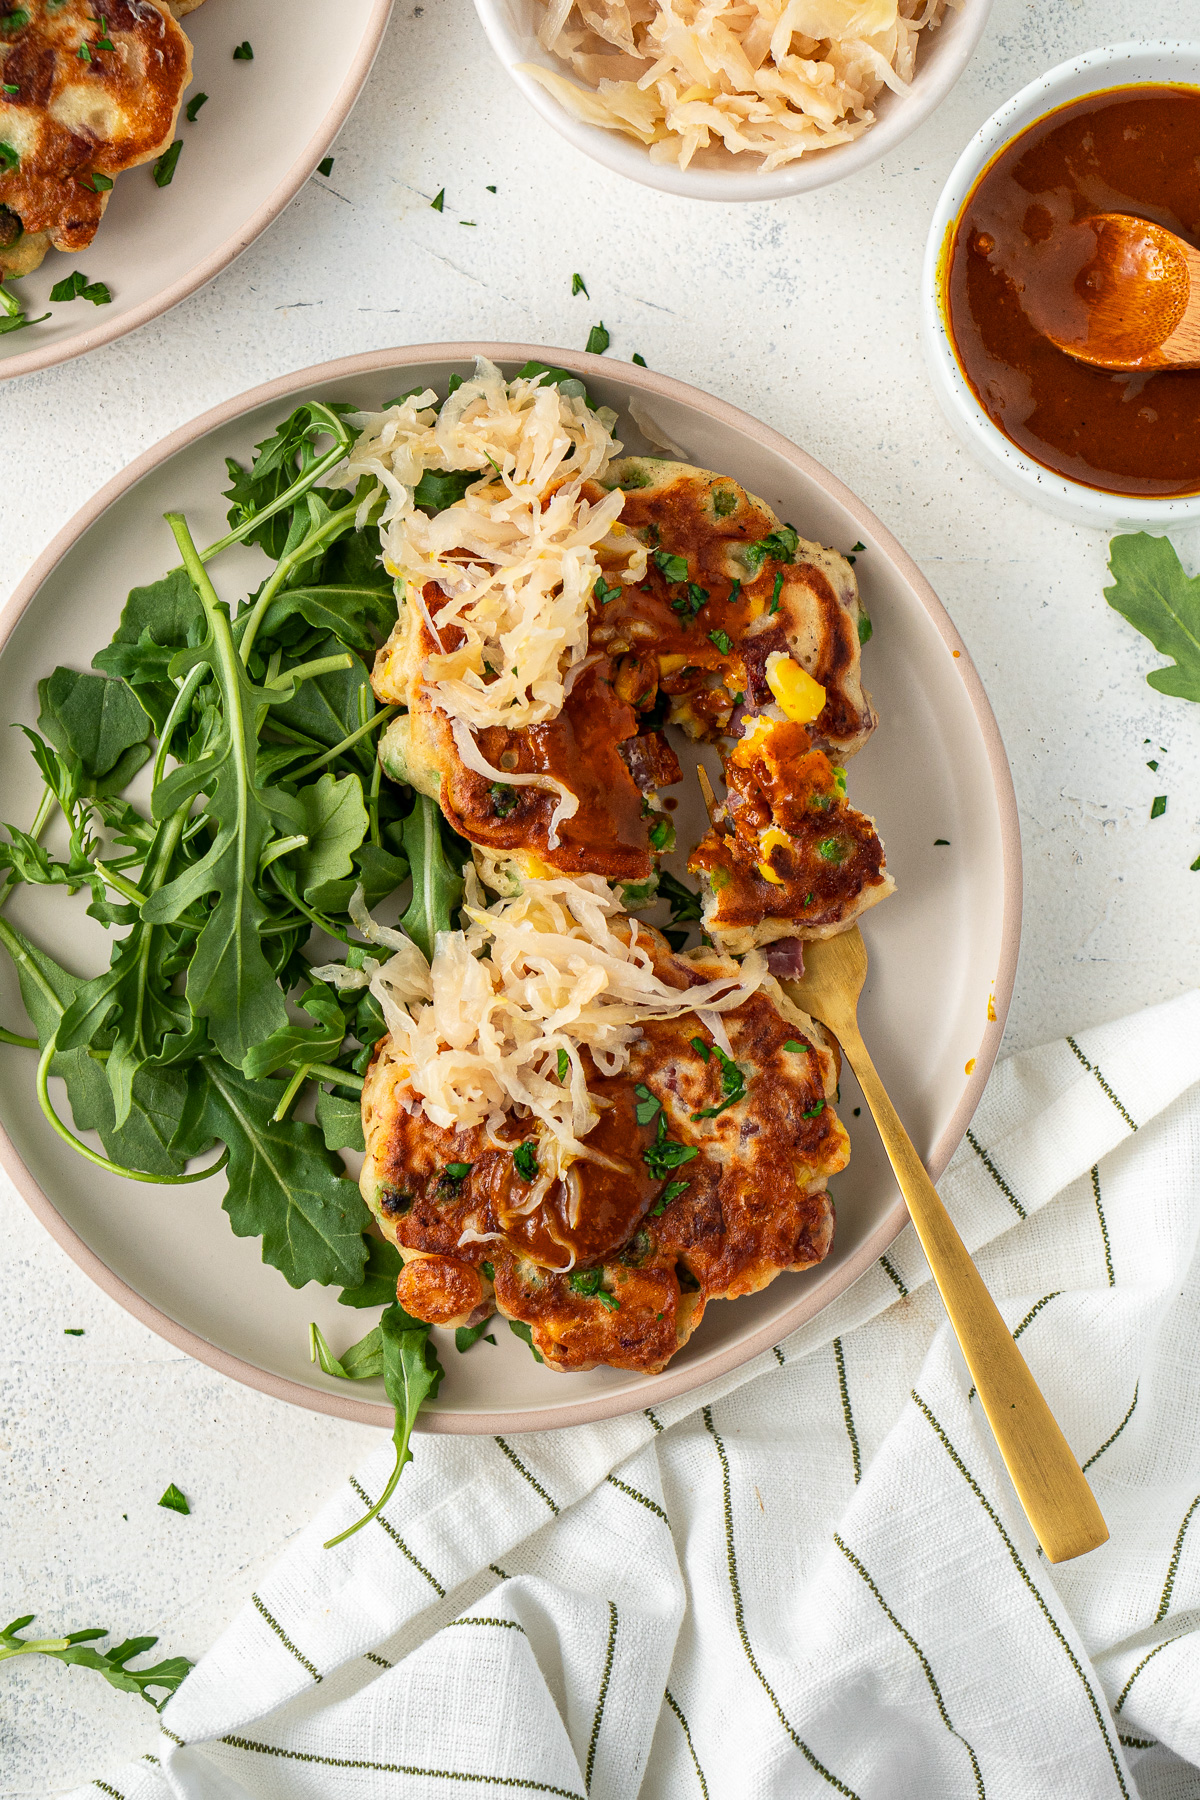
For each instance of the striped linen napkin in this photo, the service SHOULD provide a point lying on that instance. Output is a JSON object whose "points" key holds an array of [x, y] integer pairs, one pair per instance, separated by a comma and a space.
{"points": [[813, 1578]]}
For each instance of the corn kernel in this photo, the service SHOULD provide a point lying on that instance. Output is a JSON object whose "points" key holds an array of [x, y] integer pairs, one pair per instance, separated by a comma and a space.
{"points": [[801, 698], [766, 843]]}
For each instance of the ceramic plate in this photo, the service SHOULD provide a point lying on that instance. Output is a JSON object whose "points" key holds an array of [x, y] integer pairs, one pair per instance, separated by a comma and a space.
{"points": [[262, 132], [943, 949]]}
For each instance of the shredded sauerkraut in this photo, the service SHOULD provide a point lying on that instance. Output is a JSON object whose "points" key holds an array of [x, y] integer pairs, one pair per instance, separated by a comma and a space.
{"points": [[516, 556], [476, 1036], [775, 78]]}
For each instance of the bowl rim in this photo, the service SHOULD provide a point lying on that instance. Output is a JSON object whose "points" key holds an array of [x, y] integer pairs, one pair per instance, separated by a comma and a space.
{"points": [[1099, 507], [28, 362], [672, 1382], [817, 169]]}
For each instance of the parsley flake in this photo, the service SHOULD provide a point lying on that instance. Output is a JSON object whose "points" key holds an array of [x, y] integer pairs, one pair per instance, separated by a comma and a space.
{"points": [[84, 54], [665, 1153], [797, 1049], [598, 340], [672, 568], [814, 1110], [325, 167], [701, 1048], [647, 1105], [174, 1501], [735, 593], [76, 286], [733, 1086], [244, 52], [865, 628], [99, 184], [1158, 806], [525, 1160], [604, 593], [72, 1330], [579, 286], [9, 160], [671, 1192], [780, 546], [639, 360], [776, 591], [452, 1178], [721, 640], [564, 1065], [439, 200], [194, 105], [491, 189], [164, 168]]}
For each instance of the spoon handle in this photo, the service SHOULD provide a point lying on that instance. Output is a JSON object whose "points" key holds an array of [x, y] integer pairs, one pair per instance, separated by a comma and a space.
{"points": [[1049, 1482]]}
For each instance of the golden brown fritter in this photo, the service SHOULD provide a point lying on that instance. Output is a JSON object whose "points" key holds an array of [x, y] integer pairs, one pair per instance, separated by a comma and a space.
{"points": [[786, 855], [98, 89], [706, 1177]]}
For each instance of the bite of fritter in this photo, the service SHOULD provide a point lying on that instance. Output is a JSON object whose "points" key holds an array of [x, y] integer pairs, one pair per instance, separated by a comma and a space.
{"points": [[85, 93], [786, 856], [704, 1178]]}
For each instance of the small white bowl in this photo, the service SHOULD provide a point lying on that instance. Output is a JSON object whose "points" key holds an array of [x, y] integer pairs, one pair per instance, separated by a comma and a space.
{"points": [[717, 174], [1095, 72]]}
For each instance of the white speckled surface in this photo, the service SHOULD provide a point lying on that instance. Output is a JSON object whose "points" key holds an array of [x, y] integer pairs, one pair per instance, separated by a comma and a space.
{"points": [[805, 313]]}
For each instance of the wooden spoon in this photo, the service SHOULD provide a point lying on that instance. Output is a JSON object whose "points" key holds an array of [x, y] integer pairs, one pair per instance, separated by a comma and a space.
{"points": [[1140, 290], [1049, 1482]]}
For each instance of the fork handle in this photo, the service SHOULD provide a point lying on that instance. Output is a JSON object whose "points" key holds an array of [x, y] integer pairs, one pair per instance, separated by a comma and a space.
{"points": [[1049, 1482]]}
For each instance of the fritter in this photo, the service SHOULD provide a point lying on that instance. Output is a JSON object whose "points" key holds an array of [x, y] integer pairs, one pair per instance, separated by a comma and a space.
{"points": [[98, 90], [704, 1179], [786, 856]]}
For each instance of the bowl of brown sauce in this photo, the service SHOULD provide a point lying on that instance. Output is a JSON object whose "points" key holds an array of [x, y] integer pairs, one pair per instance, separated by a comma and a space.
{"points": [[1114, 130]]}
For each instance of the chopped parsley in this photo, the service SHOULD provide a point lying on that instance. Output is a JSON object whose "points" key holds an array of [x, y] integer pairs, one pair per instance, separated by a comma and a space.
{"points": [[564, 1065], [488, 1270], [9, 160], [491, 189], [194, 105], [591, 1283], [832, 850], [671, 1192], [604, 593], [735, 593], [1195, 867], [723, 502], [72, 1330], [472, 222], [504, 799], [814, 1110], [15, 21], [439, 200], [325, 167], [776, 591], [662, 836], [852, 554], [639, 360], [164, 168], [1149, 765], [244, 52], [672, 568], [99, 184], [578, 284], [779, 545], [174, 1501], [11, 88], [598, 340], [689, 604], [721, 640], [1158, 806], [797, 1049], [665, 1153], [453, 1176], [647, 1105], [76, 286], [525, 1160], [938, 841], [520, 1329], [701, 1048], [733, 1085], [84, 55], [104, 42]]}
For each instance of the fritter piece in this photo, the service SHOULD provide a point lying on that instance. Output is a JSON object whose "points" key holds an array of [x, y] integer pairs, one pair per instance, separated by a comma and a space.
{"points": [[98, 91], [729, 586], [786, 856], [705, 1177]]}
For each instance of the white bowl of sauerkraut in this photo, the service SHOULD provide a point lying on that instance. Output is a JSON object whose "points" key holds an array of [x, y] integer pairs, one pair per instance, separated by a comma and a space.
{"points": [[734, 99]]}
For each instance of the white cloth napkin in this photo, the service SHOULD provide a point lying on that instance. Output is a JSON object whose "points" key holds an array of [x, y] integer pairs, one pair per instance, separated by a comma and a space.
{"points": [[813, 1578]]}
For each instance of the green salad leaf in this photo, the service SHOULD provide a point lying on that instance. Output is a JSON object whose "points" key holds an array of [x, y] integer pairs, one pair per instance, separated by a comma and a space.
{"points": [[1151, 590], [78, 1649], [412, 1374]]}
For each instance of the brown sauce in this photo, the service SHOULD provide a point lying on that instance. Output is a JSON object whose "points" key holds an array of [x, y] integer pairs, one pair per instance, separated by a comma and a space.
{"points": [[1015, 265]]}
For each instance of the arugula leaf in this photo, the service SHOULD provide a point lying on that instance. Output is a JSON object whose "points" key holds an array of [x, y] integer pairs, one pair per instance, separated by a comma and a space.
{"points": [[361, 1362], [412, 1374], [301, 1043], [329, 707], [359, 616], [380, 1275], [685, 904], [598, 340], [76, 1649], [341, 1122], [440, 488], [376, 871], [552, 377], [96, 720], [466, 1335], [334, 819], [284, 1185], [1151, 590], [437, 880], [522, 1329]]}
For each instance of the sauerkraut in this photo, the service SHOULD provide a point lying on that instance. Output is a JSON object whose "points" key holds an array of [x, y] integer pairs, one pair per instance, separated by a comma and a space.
{"points": [[516, 557], [478, 1035], [773, 78]]}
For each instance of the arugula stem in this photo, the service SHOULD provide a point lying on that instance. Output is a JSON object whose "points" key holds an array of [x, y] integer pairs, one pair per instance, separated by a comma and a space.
{"points": [[389, 1490], [373, 803], [43, 1646], [329, 529], [179, 705], [10, 1037], [340, 1077], [93, 1156], [321, 665], [289, 1093], [385, 712], [46, 805]]}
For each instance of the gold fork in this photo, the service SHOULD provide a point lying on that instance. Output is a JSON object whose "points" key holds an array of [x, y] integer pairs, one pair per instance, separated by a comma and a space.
{"points": [[1049, 1482]]}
